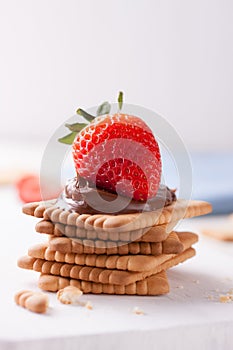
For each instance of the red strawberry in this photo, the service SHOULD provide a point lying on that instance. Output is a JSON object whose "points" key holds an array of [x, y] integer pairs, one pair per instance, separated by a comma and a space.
{"points": [[112, 149], [29, 188]]}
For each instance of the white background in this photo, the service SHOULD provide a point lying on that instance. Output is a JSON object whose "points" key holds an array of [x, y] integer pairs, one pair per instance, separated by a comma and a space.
{"points": [[173, 56]]}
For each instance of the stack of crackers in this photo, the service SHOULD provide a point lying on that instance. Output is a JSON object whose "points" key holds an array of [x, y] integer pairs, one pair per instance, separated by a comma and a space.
{"points": [[112, 254]]}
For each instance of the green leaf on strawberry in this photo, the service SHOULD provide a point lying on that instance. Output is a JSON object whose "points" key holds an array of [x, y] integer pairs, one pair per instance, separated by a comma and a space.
{"points": [[68, 139], [85, 115], [104, 108], [76, 127]]}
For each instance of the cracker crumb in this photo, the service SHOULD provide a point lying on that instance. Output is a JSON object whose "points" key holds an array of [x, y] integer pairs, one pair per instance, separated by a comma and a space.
{"points": [[210, 297], [225, 298], [89, 305], [69, 295], [138, 311], [196, 281], [180, 287], [230, 291]]}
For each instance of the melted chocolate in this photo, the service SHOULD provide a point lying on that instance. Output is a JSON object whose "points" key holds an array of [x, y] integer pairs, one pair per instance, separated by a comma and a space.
{"points": [[78, 196]]}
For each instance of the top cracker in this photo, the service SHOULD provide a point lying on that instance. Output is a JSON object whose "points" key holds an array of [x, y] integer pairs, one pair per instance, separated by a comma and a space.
{"points": [[178, 210]]}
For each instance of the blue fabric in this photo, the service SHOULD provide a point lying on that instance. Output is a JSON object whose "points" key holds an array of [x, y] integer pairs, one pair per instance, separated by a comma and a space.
{"points": [[213, 180]]}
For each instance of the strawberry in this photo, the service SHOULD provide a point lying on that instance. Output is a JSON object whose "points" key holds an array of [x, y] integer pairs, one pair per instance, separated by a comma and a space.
{"points": [[29, 188], [118, 153]]}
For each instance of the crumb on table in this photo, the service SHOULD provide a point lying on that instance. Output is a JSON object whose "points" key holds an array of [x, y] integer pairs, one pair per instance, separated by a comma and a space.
{"points": [[225, 298], [138, 311]]}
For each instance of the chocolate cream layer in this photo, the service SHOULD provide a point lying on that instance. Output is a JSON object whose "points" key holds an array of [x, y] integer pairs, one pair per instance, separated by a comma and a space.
{"points": [[78, 196]]}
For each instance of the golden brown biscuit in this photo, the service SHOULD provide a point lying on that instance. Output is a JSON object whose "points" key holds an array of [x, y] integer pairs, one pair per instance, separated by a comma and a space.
{"points": [[67, 245], [98, 247], [126, 262], [106, 276], [37, 208], [33, 301], [153, 285], [42, 251], [122, 222], [153, 234], [222, 234]]}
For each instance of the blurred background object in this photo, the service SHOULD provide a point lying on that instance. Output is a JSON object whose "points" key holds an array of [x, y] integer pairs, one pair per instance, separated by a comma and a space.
{"points": [[174, 57]]}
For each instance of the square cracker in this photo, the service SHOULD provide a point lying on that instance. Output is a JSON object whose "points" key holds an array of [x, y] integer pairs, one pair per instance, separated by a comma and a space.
{"points": [[68, 250], [100, 275], [123, 222], [175, 240], [154, 234], [125, 262], [221, 234], [153, 285]]}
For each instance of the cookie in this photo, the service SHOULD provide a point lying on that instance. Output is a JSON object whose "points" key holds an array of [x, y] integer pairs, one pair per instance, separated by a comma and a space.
{"points": [[173, 244], [67, 245], [126, 262], [122, 222], [42, 251], [100, 275], [33, 301], [153, 234], [37, 208], [153, 285], [222, 234], [103, 247]]}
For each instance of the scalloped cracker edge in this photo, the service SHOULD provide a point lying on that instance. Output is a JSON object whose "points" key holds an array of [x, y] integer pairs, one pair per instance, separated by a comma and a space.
{"points": [[153, 234], [180, 209], [61, 251], [126, 262], [101, 275], [153, 285]]}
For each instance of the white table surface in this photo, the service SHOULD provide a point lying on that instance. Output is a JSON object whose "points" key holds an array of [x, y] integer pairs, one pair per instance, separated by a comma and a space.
{"points": [[183, 319]]}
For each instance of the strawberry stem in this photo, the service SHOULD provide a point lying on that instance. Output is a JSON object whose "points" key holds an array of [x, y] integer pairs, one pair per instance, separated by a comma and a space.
{"points": [[120, 100], [75, 128]]}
